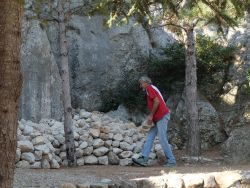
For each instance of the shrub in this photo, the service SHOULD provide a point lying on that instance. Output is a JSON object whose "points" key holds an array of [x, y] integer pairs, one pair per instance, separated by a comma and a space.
{"points": [[132, 96], [212, 59], [165, 72]]}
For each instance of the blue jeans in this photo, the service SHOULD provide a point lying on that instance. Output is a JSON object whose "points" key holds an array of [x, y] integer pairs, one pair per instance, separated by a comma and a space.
{"points": [[160, 128]]}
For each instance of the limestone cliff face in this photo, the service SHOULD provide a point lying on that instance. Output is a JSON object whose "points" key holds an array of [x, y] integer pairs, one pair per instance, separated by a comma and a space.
{"points": [[100, 59], [41, 94]]}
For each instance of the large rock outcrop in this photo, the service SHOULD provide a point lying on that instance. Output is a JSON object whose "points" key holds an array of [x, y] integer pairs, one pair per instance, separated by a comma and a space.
{"points": [[236, 148], [100, 60], [41, 93], [211, 130]]}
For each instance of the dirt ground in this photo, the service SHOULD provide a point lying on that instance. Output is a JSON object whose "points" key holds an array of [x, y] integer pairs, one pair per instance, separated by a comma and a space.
{"points": [[97, 173]]}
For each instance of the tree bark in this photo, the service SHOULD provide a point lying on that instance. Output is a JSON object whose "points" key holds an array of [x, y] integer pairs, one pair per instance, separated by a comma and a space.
{"points": [[68, 130], [10, 86], [191, 94]]}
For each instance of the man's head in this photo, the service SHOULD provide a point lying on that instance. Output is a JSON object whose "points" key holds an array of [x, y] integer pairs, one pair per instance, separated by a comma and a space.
{"points": [[144, 82]]}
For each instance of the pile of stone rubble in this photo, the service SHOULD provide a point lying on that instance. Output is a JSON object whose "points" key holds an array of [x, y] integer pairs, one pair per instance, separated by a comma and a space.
{"points": [[99, 139]]}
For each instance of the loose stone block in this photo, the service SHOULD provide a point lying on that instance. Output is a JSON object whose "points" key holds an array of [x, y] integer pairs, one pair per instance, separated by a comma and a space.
{"points": [[68, 185]]}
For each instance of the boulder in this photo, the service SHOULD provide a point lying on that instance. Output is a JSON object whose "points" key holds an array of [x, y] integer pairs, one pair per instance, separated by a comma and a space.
{"points": [[236, 148], [25, 146]]}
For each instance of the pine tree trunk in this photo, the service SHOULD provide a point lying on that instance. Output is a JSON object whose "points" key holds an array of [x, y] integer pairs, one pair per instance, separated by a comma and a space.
{"points": [[191, 94], [10, 86], [68, 130]]}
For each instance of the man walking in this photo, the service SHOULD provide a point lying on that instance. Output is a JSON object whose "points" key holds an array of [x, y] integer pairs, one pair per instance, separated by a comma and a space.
{"points": [[160, 115]]}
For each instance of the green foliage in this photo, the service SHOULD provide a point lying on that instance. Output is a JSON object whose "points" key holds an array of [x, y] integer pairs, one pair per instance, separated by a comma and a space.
{"points": [[174, 13], [246, 85], [211, 58], [110, 101], [129, 94], [172, 69], [132, 96], [240, 6]]}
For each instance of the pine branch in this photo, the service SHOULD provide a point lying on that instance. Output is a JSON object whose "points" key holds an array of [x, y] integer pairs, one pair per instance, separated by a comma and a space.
{"points": [[223, 19]]}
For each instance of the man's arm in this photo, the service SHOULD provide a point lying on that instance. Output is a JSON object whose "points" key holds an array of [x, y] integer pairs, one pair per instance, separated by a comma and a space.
{"points": [[152, 112]]}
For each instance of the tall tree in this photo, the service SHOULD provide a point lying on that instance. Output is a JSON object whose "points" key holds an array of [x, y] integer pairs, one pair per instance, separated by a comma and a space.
{"points": [[61, 18], [64, 12], [181, 17], [10, 86], [68, 125]]}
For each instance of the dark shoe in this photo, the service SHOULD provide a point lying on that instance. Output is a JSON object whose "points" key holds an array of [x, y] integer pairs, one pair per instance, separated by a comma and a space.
{"points": [[142, 161], [169, 165]]}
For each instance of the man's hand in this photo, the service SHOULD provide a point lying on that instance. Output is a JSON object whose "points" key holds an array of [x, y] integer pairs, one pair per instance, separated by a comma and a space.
{"points": [[150, 119]]}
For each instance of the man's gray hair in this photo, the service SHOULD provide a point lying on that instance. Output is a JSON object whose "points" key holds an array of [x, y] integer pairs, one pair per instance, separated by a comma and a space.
{"points": [[145, 79]]}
